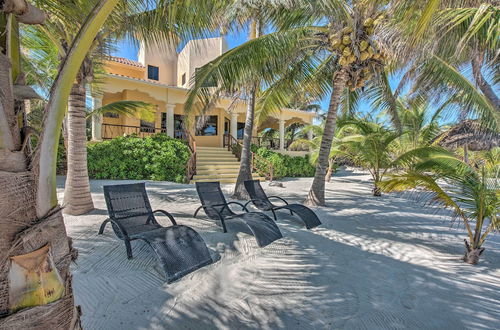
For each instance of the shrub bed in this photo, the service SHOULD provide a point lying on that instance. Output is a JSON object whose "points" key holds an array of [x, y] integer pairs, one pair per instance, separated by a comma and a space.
{"points": [[287, 166], [157, 157]]}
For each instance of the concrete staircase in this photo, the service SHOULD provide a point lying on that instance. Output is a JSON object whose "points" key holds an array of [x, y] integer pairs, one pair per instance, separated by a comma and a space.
{"points": [[217, 164]]}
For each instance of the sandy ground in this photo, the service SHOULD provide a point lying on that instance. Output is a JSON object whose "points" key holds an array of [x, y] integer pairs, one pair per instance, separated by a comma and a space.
{"points": [[375, 263]]}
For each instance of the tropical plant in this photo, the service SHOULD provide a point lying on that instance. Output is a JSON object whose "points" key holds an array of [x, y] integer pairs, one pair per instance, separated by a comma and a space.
{"points": [[469, 190], [372, 147], [314, 145], [156, 157]]}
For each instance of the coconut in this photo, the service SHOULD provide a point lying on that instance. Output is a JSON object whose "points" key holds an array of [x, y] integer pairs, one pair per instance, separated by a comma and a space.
{"points": [[363, 45], [346, 40], [368, 22], [347, 52], [376, 56], [336, 43], [369, 31], [364, 56], [352, 59], [343, 61], [347, 30]]}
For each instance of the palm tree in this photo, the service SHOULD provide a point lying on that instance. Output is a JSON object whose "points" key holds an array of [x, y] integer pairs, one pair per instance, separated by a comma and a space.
{"points": [[451, 67], [373, 148], [30, 217], [469, 190]]}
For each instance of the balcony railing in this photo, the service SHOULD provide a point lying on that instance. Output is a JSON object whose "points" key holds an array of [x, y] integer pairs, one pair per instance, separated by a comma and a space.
{"points": [[110, 131]]}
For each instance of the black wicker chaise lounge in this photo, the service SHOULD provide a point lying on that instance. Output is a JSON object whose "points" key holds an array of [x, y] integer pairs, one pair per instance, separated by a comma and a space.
{"points": [[262, 202], [215, 206], [180, 249]]}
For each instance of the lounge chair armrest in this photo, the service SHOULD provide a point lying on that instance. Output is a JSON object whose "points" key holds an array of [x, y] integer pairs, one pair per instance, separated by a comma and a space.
{"points": [[210, 207], [284, 201], [251, 201], [243, 207], [170, 216], [117, 224]]}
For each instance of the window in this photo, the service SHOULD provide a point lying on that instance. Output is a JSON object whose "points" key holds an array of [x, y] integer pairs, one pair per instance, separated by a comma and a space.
{"points": [[183, 82], [240, 130], [111, 115], [178, 126], [153, 72], [209, 128], [147, 126], [163, 122]]}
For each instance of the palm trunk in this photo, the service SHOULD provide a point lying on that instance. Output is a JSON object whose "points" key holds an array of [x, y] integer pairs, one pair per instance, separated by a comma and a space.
{"points": [[329, 173], [245, 172], [29, 215], [77, 197], [477, 64], [472, 253], [316, 195], [22, 231]]}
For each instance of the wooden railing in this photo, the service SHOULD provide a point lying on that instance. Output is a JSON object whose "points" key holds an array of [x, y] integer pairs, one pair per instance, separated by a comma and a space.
{"points": [[191, 164], [259, 164]]}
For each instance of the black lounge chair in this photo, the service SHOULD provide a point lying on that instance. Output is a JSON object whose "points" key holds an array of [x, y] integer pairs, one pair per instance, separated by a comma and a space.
{"points": [[180, 249], [262, 202], [215, 206]]}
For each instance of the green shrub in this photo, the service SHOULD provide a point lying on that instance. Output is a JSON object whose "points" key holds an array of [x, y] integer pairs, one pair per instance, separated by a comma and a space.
{"points": [[287, 166], [157, 157]]}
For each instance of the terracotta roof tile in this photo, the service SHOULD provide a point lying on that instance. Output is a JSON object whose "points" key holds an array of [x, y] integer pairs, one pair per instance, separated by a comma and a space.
{"points": [[126, 61]]}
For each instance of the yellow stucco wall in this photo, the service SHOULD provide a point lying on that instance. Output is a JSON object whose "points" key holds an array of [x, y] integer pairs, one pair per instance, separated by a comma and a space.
{"points": [[122, 88]]}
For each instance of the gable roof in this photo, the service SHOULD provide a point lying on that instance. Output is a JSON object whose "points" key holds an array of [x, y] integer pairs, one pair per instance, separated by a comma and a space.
{"points": [[125, 61]]}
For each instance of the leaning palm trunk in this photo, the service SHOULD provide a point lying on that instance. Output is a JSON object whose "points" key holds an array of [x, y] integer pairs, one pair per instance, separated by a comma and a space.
{"points": [[245, 172], [329, 173], [30, 218], [77, 197], [317, 192]]}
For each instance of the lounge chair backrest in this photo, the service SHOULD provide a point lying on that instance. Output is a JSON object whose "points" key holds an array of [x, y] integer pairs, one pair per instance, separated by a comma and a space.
{"points": [[210, 193], [258, 194], [128, 205]]}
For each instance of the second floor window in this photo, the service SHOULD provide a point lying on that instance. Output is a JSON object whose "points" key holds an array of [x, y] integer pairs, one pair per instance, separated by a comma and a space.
{"points": [[153, 72], [183, 79]]}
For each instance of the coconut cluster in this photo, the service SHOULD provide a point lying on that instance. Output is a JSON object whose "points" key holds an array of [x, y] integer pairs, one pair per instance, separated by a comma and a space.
{"points": [[356, 51]]}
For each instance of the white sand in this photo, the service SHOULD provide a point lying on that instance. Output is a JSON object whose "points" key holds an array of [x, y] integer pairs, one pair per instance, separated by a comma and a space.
{"points": [[375, 263]]}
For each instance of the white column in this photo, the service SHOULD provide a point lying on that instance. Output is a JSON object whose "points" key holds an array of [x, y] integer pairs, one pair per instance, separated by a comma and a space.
{"points": [[170, 119], [282, 134], [234, 125], [96, 120]]}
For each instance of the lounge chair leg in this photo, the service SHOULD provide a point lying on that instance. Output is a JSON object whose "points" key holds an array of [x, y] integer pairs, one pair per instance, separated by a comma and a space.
{"points": [[129, 249], [274, 215], [103, 225], [224, 230]]}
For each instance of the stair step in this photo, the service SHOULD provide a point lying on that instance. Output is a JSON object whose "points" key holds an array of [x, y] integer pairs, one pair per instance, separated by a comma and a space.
{"points": [[228, 180], [211, 166], [217, 171], [215, 157], [218, 162], [216, 176]]}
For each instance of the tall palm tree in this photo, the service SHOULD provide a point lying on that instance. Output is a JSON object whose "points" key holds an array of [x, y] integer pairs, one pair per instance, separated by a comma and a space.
{"points": [[30, 217], [469, 190]]}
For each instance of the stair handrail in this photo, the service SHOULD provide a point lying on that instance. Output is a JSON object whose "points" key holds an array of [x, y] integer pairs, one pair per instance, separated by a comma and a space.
{"points": [[191, 164], [235, 147]]}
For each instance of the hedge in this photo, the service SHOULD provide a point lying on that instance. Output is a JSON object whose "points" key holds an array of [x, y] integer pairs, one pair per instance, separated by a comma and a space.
{"points": [[287, 166], [157, 157]]}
